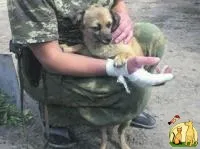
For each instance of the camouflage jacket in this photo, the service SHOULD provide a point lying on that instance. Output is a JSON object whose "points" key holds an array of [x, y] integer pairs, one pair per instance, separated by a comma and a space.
{"points": [[35, 21]]}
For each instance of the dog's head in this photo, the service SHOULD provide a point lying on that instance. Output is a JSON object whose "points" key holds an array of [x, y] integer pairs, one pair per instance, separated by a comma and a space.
{"points": [[98, 23], [189, 123]]}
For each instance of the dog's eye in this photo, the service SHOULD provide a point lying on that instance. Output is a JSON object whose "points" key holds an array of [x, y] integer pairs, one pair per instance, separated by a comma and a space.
{"points": [[96, 28], [108, 24]]}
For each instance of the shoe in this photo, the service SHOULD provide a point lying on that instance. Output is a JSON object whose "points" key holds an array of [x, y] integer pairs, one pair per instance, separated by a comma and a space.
{"points": [[144, 120], [59, 138]]}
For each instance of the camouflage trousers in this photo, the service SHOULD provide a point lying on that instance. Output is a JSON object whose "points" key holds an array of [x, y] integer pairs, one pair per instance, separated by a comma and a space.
{"points": [[97, 100]]}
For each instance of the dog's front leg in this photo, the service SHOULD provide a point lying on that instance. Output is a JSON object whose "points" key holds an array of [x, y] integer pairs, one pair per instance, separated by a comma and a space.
{"points": [[191, 142], [71, 49], [186, 141], [104, 138], [121, 132], [121, 59]]}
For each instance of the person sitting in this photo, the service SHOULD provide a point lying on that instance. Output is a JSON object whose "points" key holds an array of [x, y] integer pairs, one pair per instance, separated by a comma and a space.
{"points": [[79, 89]]}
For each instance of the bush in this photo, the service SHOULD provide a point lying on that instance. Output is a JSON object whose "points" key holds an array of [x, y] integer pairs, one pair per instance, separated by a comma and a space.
{"points": [[9, 114]]}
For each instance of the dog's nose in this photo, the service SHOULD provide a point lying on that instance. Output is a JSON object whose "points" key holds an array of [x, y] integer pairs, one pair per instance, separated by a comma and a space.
{"points": [[107, 39]]}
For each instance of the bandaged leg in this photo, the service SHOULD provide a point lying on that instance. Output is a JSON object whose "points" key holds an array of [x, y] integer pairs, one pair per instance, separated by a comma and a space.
{"points": [[143, 78], [140, 77]]}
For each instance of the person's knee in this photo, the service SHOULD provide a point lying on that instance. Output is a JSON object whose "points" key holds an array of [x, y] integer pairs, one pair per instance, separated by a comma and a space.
{"points": [[151, 39]]}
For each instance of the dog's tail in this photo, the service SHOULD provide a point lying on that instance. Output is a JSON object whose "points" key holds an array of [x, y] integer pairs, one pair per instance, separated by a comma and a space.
{"points": [[173, 140]]}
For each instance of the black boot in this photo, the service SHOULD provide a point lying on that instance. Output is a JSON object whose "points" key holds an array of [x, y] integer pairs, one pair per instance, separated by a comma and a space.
{"points": [[144, 120], [59, 138]]}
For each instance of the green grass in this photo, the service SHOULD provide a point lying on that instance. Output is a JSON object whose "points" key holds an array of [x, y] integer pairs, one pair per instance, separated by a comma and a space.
{"points": [[182, 145], [9, 114]]}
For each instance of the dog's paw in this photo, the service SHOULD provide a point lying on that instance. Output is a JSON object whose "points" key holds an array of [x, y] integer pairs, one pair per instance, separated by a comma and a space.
{"points": [[119, 61]]}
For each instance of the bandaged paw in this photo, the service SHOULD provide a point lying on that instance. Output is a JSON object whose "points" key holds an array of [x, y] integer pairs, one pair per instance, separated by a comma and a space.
{"points": [[143, 78], [140, 77], [111, 70]]}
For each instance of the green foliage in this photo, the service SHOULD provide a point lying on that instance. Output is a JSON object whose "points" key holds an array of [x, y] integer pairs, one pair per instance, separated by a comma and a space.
{"points": [[9, 114], [183, 144]]}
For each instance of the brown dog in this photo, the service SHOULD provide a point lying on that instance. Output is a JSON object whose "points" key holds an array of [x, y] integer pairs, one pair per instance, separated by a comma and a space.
{"points": [[190, 135], [97, 25]]}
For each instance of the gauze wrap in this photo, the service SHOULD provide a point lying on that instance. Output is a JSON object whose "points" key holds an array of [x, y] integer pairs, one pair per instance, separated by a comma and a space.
{"points": [[140, 77]]}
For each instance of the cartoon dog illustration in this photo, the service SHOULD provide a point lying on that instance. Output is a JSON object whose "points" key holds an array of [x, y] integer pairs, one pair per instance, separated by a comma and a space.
{"points": [[190, 135]]}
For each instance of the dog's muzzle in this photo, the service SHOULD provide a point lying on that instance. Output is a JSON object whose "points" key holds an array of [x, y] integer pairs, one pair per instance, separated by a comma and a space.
{"points": [[107, 40], [104, 38]]}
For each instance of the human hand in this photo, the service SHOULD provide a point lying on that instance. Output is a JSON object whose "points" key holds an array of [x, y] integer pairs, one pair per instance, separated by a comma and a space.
{"points": [[143, 78], [124, 32], [132, 65], [134, 71]]}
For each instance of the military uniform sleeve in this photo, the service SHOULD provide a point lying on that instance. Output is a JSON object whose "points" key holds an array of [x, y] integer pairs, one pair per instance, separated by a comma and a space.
{"points": [[32, 21]]}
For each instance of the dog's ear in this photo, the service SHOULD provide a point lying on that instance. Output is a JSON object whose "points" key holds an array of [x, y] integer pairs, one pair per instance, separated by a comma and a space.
{"points": [[78, 19], [116, 20]]}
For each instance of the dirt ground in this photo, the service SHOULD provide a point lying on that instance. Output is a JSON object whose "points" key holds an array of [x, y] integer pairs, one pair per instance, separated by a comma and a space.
{"points": [[180, 21]]}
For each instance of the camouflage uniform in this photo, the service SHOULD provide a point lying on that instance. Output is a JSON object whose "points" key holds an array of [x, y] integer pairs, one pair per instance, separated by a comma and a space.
{"points": [[72, 100]]}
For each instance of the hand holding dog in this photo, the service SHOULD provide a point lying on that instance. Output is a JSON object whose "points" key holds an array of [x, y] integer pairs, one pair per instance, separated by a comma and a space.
{"points": [[124, 32]]}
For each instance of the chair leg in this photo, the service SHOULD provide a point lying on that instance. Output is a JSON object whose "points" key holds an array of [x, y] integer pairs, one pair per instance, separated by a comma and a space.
{"points": [[46, 118], [44, 115]]}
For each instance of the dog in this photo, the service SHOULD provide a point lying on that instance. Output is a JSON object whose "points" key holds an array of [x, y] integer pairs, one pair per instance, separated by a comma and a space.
{"points": [[97, 24], [190, 135]]}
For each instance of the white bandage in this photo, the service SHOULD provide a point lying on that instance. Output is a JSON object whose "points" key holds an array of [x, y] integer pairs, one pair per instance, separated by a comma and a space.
{"points": [[143, 78], [122, 80], [111, 70], [117, 72]]}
